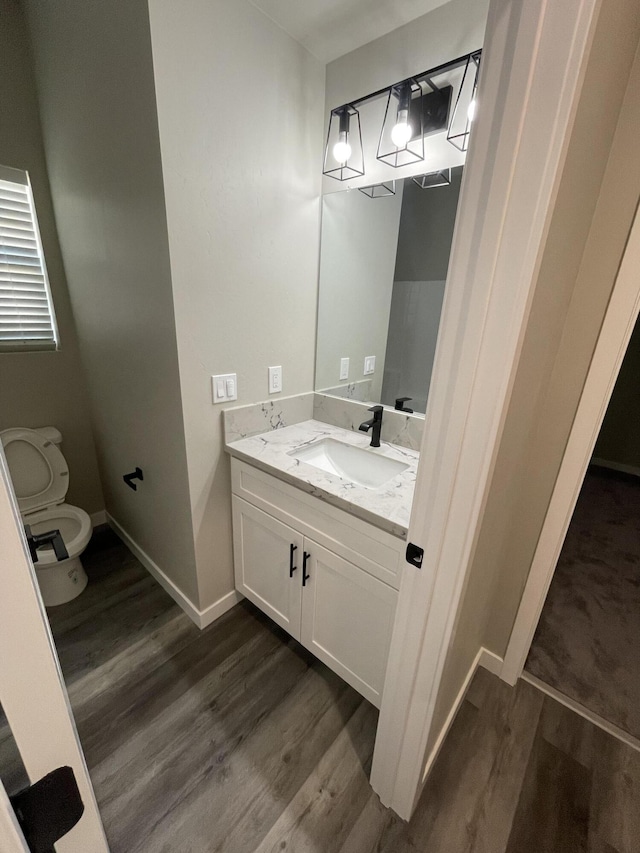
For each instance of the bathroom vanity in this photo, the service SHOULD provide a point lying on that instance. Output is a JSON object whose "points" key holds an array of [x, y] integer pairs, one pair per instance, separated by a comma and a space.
{"points": [[319, 528]]}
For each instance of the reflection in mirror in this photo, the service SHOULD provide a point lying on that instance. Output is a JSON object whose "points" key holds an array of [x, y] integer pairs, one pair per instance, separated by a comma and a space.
{"points": [[383, 266]]}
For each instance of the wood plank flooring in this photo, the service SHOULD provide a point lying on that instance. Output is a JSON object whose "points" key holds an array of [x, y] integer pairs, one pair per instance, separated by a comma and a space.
{"points": [[235, 739], [586, 643]]}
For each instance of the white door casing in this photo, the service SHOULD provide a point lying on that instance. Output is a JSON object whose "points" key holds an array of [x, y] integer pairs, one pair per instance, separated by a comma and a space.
{"points": [[11, 837], [509, 187], [619, 322], [32, 691]]}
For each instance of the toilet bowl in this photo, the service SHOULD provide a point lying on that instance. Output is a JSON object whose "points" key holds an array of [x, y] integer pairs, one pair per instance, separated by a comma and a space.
{"points": [[40, 480]]}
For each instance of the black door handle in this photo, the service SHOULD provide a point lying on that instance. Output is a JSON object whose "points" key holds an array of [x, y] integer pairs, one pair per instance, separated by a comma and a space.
{"points": [[48, 809], [305, 576], [292, 549]]}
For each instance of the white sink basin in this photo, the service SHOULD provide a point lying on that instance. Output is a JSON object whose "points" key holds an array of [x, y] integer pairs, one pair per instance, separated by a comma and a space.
{"points": [[360, 466]]}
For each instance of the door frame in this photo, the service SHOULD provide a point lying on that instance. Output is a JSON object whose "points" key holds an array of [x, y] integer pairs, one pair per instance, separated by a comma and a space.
{"points": [[11, 837], [511, 178], [34, 696], [617, 327]]}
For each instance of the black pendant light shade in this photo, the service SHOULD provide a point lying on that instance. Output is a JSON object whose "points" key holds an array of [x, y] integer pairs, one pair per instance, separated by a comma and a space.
{"points": [[379, 190], [402, 135], [465, 107], [343, 156], [433, 179]]}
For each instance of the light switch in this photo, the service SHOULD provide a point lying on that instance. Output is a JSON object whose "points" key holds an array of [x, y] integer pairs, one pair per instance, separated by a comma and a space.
{"points": [[344, 368], [369, 364], [224, 387], [275, 380]]}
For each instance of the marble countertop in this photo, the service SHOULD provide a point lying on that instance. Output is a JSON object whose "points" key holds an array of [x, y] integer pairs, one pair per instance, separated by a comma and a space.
{"points": [[387, 507]]}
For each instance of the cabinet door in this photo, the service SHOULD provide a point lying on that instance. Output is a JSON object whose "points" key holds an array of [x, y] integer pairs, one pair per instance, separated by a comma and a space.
{"points": [[347, 619], [268, 564]]}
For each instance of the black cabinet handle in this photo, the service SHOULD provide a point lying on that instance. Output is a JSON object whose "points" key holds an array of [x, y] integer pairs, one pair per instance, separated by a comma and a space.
{"points": [[292, 549], [305, 576]]}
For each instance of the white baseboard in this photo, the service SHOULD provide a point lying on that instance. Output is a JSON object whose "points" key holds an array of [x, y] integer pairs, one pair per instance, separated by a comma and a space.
{"points": [[201, 618], [490, 661], [98, 518], [617, 466], [487, 660], [215, 610]]}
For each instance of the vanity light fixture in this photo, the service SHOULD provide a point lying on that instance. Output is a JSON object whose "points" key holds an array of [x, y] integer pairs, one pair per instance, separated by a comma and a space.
{"points": [[416, 107], [466, 106], [433, 179], [343, 157], [383, 190], [402, 134]]}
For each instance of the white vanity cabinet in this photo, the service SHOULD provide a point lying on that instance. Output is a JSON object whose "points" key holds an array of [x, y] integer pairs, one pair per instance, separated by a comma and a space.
{"points": [[326, 577]]}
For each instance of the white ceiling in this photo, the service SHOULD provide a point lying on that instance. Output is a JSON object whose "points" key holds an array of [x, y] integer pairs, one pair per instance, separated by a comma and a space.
{"points": [[331, 28]]}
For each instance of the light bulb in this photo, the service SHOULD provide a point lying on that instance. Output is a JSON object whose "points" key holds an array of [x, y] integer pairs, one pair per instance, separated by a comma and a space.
{"points": [[342, 149], [401, 132], [471, 110]]}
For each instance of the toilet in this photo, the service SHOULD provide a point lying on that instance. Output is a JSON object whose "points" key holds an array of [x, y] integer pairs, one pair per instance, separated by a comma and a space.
{"points": [[40, 478]]}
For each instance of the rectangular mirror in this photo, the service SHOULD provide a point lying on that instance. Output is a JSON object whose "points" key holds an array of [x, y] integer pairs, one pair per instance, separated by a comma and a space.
{"points": [[383, 266]]}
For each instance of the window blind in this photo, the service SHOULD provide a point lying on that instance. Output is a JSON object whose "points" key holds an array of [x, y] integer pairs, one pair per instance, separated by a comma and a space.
{"points": [[27, 321]]}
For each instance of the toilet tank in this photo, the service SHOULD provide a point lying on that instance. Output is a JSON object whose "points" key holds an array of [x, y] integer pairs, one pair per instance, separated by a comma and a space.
{"points": [[54, 435]]}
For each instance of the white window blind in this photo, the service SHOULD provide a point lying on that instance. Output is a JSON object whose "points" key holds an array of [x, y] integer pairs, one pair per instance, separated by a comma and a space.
{"points": [[27, 321]]}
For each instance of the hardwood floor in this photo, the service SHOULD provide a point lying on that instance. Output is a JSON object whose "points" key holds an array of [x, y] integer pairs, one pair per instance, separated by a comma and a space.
{"points": [[235, 739], [586, 643]]}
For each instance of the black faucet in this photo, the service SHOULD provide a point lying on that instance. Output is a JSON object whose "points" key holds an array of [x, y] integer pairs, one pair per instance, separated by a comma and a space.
{"points": [[400, 405], [37, 540], [375, 425]]}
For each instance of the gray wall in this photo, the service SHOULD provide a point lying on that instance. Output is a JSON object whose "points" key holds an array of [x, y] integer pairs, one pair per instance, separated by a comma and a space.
{"points": [[359, 242], [240, 115], [426, 230], [42, 388], [619, 439], [95, 82], [424, 245]]}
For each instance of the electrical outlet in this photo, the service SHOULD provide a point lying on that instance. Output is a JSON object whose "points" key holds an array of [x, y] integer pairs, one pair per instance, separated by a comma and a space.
{"points": [[275, 380], [344, 368], [369, 364], [224, 387]]}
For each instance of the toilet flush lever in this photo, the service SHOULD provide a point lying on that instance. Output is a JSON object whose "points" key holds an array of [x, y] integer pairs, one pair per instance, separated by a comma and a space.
{"points": [[135, 475]]}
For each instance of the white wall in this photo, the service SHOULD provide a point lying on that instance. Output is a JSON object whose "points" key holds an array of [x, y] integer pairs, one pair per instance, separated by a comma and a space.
{"points": [[95, 84], [240, 114], [357, 261], [42, 388], [445, 33]]}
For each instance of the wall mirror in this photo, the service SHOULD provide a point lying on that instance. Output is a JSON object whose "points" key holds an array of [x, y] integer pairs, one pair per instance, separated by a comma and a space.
{"points": [[383, 266]]}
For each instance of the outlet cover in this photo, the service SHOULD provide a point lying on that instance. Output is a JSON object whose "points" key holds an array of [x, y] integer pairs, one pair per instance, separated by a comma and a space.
{"points": [[344, 368], [275, 380], [369, 364], [224, 387]]}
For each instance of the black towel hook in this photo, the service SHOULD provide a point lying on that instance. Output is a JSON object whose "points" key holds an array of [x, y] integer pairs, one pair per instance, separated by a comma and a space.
{"points": [[135, 475]]}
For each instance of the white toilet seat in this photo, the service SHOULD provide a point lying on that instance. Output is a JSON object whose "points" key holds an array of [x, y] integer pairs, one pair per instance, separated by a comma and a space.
{"points": [[73, 523], [38, 469]]}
